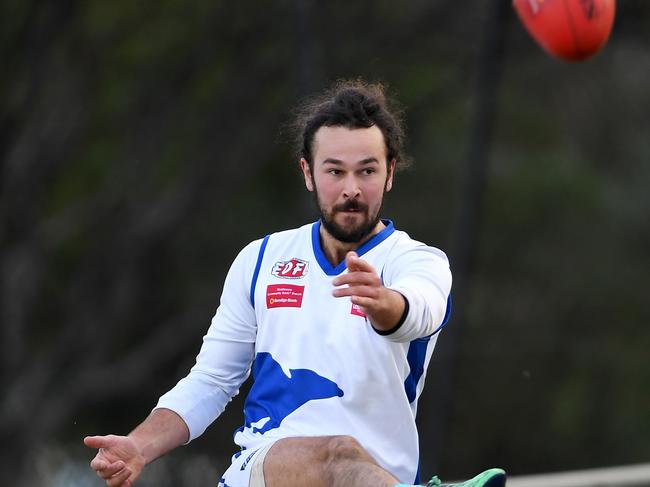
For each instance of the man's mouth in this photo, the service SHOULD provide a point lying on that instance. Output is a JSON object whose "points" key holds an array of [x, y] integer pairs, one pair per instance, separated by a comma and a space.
{"points": [[351, 207]]}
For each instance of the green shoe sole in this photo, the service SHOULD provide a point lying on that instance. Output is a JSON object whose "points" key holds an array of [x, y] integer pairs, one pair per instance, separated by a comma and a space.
{"points": [[494, 477]]}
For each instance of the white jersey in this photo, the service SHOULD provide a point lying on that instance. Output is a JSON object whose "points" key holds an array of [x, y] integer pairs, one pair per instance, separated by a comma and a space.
{"points": [[319, 367]]}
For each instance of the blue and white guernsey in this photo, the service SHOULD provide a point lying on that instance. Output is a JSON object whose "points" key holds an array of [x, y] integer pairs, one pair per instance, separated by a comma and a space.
{"points": [[319, 367]]}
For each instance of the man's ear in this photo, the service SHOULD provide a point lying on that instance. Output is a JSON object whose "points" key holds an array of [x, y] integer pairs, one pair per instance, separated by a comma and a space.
{"points": [[389, 176], [306, 173]]}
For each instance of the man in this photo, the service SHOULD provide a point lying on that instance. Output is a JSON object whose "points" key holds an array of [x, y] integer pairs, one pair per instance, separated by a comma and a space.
{"points": [[338, 319]]}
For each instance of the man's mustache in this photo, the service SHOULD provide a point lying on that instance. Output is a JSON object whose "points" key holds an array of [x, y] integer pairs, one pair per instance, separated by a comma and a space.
{"points": [[351, 205]]}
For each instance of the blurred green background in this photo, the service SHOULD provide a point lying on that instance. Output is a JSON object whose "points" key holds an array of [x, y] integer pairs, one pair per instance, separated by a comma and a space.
{"points": [[142, 146]]}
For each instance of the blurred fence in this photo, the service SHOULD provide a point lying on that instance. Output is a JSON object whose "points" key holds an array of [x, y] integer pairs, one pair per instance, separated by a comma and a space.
{"points": [[623, 476]]}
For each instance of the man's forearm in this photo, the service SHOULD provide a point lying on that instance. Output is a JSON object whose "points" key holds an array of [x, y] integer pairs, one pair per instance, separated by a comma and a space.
{"points": [[162, 431]]}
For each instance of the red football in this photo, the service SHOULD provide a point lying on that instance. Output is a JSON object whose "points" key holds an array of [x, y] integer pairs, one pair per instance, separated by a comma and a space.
{"points": [[572, 30]]}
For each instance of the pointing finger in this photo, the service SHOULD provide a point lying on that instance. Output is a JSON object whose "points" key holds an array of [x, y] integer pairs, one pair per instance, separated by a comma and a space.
{"points": [[352, 261], [99, 441]]}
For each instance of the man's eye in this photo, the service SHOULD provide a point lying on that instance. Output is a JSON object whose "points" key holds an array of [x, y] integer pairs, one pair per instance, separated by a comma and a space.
{"points": [[334, 172], [368, 171]]}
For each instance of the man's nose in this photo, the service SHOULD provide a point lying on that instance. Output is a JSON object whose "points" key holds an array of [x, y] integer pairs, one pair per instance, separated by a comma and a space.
{"points": [[351, 189]]}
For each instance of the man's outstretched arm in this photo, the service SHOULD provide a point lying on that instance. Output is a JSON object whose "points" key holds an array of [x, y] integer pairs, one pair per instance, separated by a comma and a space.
{"points": [[416, 298], [120, 459]]}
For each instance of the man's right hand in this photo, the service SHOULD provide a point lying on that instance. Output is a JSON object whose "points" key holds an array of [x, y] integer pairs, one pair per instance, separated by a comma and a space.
{"points": [[119, 461]]}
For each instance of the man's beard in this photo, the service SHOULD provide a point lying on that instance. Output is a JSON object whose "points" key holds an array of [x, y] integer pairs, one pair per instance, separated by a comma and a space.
{"points": [[356, 233]]}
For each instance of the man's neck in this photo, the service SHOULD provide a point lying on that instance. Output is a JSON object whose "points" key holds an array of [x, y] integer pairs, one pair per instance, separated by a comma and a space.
{"points": [[335, 250]]}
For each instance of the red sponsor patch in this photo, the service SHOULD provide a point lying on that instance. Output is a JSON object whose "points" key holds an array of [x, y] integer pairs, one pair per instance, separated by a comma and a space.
{"points": [[356, 310], [284, 296], [290, 269]]}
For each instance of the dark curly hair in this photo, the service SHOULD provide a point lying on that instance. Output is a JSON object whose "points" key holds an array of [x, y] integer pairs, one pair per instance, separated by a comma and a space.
{"points": [[351, 104]]}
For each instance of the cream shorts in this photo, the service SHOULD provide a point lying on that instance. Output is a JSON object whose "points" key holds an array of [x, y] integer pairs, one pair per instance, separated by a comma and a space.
{"points": [[247, 469]]}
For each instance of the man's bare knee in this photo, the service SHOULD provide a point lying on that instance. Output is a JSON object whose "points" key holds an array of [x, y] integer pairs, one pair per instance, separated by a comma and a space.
{"points": [[345, 448], [323, 461]]}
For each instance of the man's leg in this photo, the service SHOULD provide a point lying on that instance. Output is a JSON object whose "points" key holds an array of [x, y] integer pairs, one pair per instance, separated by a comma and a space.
{"points": [[325, 461]]}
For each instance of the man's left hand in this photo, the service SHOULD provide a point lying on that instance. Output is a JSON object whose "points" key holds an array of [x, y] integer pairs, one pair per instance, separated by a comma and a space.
{"points": [[383, 306]]}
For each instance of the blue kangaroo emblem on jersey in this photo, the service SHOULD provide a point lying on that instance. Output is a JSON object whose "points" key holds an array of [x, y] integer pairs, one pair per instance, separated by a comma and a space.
{"points": [[275, 396]]}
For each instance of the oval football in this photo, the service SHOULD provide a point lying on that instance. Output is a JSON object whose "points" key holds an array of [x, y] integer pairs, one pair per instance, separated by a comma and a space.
{"points": [[572, 30]]}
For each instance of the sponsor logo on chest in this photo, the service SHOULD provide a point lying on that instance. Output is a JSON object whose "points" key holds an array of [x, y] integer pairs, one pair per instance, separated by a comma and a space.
{"points": [[290, 269], [284, 296], [357, 311]]}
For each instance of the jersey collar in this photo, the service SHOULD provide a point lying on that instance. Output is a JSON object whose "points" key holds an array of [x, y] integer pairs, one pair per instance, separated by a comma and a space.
{"points": [[325, 264]]}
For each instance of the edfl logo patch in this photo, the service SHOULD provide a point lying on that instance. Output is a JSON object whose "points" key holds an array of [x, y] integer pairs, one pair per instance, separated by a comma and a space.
{"points": [[290, 269]]}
